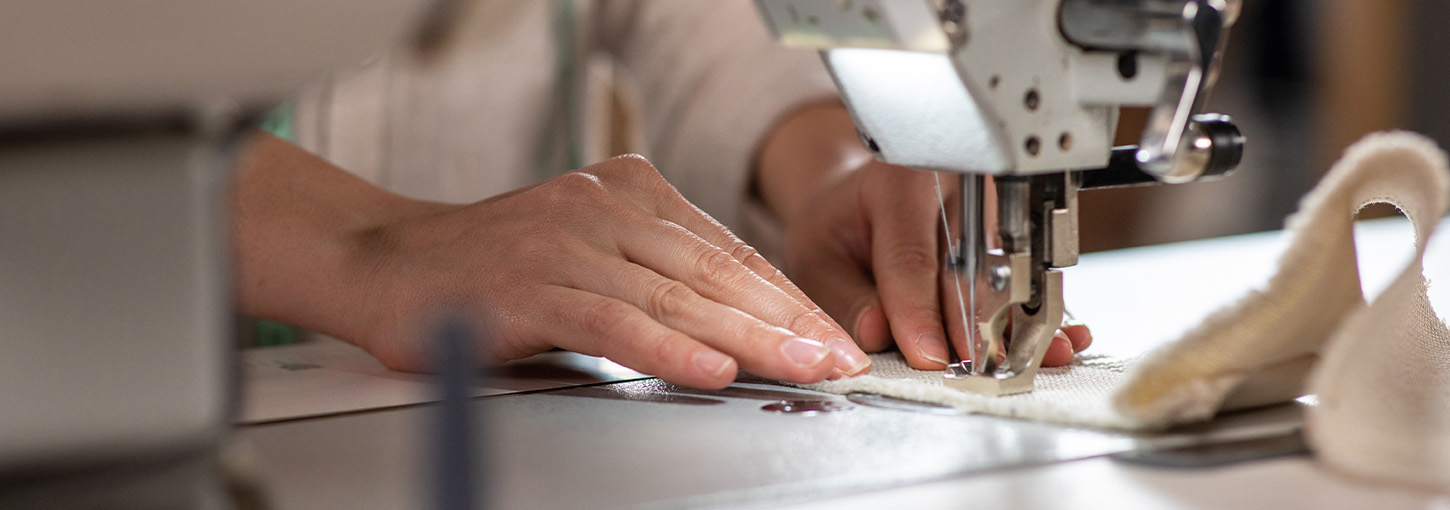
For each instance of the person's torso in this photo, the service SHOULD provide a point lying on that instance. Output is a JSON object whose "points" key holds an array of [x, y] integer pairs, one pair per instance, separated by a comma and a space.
{"points": [[483, 116]]}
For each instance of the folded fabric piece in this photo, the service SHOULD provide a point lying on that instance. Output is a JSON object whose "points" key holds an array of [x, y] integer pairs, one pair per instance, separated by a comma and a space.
{"points": [[1381, 370]]}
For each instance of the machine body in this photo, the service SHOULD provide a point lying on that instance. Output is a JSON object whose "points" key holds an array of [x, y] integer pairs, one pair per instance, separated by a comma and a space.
{"points": [[1021, 96]]}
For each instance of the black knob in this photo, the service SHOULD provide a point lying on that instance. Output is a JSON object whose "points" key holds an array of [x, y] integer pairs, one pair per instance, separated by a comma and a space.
{"points": [[1228, 143], [1225, 153]]}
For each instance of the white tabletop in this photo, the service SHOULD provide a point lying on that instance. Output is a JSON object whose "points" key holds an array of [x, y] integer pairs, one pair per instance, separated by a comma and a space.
{"points": [[644, 442]]}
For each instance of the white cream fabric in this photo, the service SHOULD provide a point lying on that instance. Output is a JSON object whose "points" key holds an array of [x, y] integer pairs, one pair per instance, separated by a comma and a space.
{"points": [[1381, 370], [1077, 394]]}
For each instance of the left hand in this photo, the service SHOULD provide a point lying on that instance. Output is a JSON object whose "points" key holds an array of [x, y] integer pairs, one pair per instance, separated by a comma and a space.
{"points": [[867, 248], [862, 238]]}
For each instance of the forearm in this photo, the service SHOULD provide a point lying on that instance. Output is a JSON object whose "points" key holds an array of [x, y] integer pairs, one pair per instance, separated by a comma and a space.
{"points": [[307, 237], [808, 149]]}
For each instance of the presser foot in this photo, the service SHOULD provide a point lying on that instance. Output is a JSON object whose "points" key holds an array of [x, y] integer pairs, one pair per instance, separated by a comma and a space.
{"points": [[1013, 371]]}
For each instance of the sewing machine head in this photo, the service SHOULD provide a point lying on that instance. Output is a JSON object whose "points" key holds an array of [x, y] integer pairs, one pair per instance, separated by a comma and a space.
{"points": [[1028, 92]]}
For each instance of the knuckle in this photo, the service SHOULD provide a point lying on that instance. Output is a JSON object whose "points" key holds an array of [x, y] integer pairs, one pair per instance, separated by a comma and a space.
{"points": [[605, 316], [664, 350], [803, 322], [634, 161], [717, 269], [670, 298], [743, 251], [912, 259], [630, 167], [574, 186], [924, 316], [752, 259]]}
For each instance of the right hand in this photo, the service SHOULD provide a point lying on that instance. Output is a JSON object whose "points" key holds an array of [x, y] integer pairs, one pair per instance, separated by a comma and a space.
{"points": [[608, 261]]}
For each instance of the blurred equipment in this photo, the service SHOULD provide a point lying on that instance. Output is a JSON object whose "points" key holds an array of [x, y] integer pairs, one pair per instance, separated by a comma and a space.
{"points": [[118, 123], [1027, 92]]}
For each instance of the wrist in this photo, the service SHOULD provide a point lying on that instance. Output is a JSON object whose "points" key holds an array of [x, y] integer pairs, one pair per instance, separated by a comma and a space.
{"points": [[808, 150], [311, 241], [379, 299]]}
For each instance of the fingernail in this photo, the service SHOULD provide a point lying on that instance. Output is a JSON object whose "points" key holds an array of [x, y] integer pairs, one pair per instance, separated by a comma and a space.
{"points": [[933, 347], [713, 363], [803, 352], [849, 359]]}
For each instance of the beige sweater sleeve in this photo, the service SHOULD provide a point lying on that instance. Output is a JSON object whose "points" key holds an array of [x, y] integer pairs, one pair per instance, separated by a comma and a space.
{"points": [[712, 85]]}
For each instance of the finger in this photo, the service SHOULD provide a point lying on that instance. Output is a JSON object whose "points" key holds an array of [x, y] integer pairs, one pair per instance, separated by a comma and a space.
{"points": [[602, 326], [845, 291], [759, 347], [1059, 352], [720, 277], [851, 360], [1080, 336], [665, 202], [676, 209], [872, 328], [906, 263]]}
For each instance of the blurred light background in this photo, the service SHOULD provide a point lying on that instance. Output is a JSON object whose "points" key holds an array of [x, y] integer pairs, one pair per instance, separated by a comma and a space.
{"points": [[1304, 79]]}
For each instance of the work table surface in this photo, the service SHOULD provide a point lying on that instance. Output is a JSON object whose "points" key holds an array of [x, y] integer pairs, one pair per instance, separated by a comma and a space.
{"points": [[592, 436]]}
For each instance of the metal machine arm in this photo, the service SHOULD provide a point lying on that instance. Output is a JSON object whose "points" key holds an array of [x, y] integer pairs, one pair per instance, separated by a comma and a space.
{"points": [[1027, 92]]}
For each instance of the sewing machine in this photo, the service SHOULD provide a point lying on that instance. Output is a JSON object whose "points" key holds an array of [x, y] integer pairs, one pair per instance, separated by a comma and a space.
{"points": [[1026, 93]]}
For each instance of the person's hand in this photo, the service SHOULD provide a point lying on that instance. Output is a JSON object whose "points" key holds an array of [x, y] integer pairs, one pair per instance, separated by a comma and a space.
{"points": [[867, 246], [862, 237], [607, 261]]}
